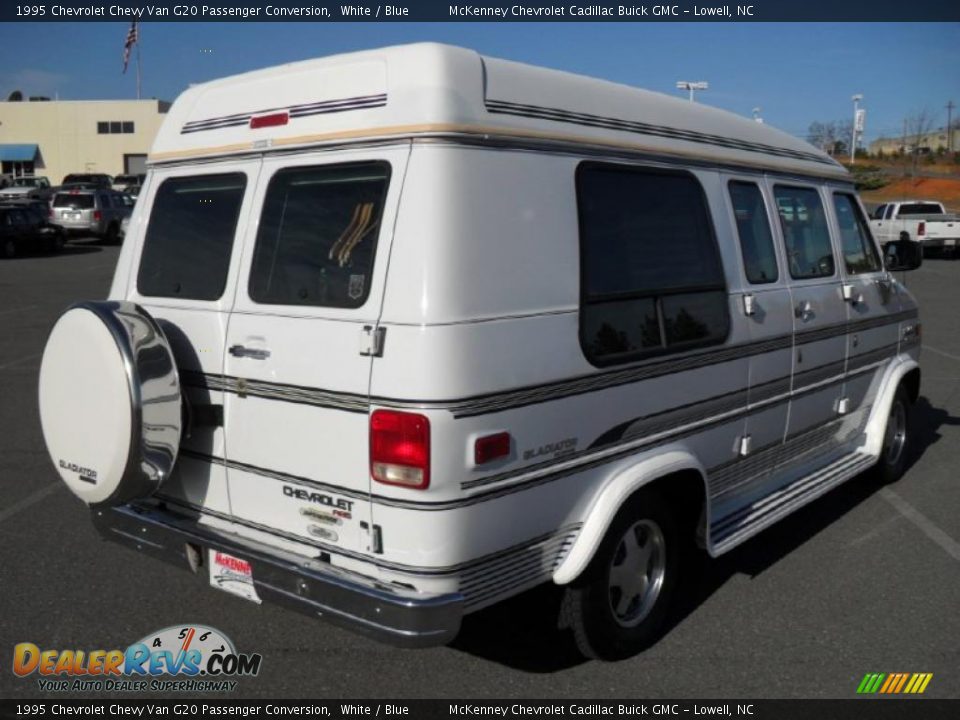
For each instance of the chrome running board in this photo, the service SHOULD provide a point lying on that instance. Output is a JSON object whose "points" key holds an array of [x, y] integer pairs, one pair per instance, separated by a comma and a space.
{"points": [[730, 530]]}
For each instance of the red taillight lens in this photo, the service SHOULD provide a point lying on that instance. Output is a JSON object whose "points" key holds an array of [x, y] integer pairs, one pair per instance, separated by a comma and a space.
{"points": [[400, 449], [491, 447], [97, 215], [922, 228], [269, 120]]}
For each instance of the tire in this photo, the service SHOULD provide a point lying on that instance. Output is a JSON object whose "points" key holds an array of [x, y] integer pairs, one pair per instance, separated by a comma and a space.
{"points": [[618, 606], [112, 235], [897, 439], [110, 402], [9, 248]]}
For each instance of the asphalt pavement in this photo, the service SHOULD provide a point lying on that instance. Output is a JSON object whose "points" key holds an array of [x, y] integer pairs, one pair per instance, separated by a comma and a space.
{"points": [[866, 579]]}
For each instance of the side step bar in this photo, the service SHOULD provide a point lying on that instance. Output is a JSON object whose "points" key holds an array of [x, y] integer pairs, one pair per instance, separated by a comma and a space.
{"points": [[736, 527]]}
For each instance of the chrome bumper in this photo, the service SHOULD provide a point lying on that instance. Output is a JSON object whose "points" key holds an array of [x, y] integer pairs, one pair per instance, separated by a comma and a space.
{"points": [[380, 611]]}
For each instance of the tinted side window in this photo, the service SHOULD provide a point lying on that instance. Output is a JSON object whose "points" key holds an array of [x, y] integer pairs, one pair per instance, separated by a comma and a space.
{"points": [[651, 277], [753, 228], [805, 232], [186, 251], [318, 235], [859, 253]]}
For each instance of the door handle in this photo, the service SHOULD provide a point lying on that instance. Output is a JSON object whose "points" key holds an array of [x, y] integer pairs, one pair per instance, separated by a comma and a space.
{"points": [[252, 353], [803, 310], [852, 295]]}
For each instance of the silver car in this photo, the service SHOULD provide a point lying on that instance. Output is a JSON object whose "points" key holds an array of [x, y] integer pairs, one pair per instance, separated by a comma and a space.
{"points": [[90, 212]]}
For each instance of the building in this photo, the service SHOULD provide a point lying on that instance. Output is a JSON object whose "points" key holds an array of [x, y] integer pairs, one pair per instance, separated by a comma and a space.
{"points": [[54, 138], [930, 142]]}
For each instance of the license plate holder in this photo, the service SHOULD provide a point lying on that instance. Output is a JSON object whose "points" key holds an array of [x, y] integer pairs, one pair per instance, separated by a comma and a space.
{"points": [[232, 574]]}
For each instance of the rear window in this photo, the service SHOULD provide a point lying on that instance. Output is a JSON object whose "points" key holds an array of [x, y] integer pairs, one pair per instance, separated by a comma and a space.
{"points": [[318, 235], [77, 202], [920, 209], [186, 251]]}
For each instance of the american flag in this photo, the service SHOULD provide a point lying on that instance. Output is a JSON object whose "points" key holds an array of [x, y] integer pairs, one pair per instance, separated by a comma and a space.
{"points": [[133, 34]]}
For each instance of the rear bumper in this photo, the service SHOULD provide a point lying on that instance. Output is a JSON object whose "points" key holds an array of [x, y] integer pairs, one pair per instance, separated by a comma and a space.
{"points": [[941, 242], [383, 612], [79, 228]]}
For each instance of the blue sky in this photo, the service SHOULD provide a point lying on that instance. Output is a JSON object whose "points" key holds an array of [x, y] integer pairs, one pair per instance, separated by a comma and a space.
{"points": [[796, 72]]}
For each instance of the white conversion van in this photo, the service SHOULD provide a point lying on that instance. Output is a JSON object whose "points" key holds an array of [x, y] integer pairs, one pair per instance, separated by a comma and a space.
{"points": [[398, 334]]}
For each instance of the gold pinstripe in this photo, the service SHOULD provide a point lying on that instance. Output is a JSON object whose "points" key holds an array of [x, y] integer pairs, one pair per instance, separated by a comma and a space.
{"points": [[425, 129]]}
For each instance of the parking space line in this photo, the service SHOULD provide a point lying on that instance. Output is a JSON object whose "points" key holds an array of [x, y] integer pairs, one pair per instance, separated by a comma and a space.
{"points": [[20, 360], [31, 499], [925, 524], [941, 352], [13, 310]]}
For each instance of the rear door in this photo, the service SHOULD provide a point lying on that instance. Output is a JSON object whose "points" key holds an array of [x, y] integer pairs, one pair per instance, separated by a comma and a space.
{"points": [[296, 369], [185, 276]]}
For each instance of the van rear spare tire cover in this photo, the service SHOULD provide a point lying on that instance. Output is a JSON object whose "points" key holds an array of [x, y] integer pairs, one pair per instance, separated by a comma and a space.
{"points": [[110, 402]]}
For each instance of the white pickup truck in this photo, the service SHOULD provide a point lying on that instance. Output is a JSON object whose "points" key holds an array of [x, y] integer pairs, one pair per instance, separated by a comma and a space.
{"points": [[924, 221]]}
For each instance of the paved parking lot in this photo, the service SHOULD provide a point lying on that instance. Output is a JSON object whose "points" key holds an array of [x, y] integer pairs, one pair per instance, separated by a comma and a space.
{"points": [[865, 580]]}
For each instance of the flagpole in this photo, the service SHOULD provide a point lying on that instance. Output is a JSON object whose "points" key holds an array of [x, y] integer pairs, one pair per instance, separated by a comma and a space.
{"points": [[138, 62]]}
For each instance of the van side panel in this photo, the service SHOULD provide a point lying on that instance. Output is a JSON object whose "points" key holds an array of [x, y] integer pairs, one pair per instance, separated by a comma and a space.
{"points": [[483, 345]]}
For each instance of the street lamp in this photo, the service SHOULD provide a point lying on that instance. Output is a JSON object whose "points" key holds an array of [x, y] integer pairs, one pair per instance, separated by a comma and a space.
{"points": [[691, 86], [856, 122]]}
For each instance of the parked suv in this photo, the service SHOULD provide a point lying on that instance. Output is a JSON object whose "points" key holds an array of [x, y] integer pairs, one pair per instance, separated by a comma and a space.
{"points": [[90, 212]]}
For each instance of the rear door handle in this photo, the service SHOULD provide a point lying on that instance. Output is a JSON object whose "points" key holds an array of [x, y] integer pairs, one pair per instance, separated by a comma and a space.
{"points": [[252, 353], [803, 310]]}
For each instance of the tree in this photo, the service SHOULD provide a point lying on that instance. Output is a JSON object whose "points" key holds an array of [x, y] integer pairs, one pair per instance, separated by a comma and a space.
{"points": [[844, 135], [916, 128], [15, 96], [824, 135]]}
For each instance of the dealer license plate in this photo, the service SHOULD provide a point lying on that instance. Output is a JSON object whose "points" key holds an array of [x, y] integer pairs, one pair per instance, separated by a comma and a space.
{"points": [[232, 574]]}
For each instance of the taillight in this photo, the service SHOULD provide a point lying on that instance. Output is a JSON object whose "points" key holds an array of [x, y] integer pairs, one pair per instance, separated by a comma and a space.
{"points": [[922, 228], [96, 215], [400, 449]]}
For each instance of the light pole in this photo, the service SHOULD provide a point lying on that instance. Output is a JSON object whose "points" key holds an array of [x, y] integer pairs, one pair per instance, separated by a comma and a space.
{"points": [[856, 119], [691, 86]]}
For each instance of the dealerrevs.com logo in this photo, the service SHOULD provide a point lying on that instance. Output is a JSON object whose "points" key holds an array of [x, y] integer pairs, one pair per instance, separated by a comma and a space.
{"points": [[188, 658]]}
